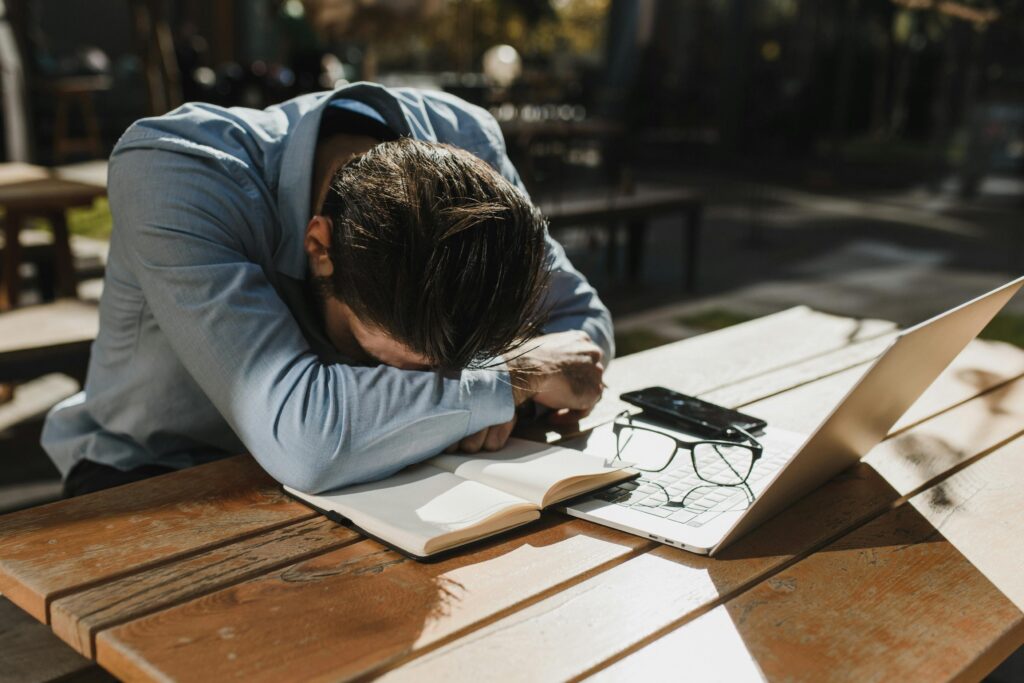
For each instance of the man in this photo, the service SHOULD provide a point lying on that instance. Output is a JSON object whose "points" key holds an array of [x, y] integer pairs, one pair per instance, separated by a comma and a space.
{"points": [[327, 286]]}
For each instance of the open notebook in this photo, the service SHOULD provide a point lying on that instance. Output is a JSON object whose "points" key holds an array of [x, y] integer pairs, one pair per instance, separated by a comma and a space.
{"points": [[451, 500]]}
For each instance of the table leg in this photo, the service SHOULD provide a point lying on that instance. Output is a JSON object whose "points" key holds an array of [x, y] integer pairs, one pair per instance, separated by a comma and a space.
{"points": [[635, 248], [612, 254], [66, 282], [692, 247], [10, 285]]}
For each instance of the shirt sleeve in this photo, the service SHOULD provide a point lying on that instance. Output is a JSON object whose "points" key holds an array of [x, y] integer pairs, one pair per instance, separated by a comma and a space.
{"points": [[573, 304], [187, 230]]}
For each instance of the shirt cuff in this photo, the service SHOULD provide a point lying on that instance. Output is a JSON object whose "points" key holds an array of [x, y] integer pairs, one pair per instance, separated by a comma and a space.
{"points": [[488, 393]]}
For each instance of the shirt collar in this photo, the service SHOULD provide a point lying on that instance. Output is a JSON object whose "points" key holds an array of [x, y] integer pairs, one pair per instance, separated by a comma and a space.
{"points": [[293, 188]]}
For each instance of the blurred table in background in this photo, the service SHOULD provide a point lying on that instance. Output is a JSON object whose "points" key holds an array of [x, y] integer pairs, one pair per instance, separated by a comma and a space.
{"points": [[33, 191], [549, 152], [635, 211]]}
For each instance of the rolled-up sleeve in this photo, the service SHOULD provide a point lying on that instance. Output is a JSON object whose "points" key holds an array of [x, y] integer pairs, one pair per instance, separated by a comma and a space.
{"points": [[185, 224]]}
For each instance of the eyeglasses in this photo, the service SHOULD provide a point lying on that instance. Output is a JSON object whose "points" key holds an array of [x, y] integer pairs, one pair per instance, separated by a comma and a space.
{"points": [[720, 462]]}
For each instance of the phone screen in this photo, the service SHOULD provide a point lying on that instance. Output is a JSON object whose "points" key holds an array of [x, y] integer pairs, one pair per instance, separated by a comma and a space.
{"points": [[691, 410]]}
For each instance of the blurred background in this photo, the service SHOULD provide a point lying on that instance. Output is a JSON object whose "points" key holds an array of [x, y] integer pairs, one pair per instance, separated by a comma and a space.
{"points": [[704, 162]]}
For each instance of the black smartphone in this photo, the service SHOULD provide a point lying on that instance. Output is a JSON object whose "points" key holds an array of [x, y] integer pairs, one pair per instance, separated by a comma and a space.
{"points": [[691, 414]]}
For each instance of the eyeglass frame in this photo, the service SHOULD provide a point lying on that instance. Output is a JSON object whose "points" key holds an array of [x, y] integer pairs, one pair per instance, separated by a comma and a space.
{"points": [[755, 447]]}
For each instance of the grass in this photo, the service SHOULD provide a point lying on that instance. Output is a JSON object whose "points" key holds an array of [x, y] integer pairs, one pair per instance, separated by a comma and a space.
{"points": [[712, 319], [1006, 327], [639, 339], [93, 221]]}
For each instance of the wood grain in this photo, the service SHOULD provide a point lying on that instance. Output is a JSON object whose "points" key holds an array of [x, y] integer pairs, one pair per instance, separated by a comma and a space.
{"points": [[894, 600], [345, 613], [981, 366], [742, 353], [576, 630], [842, 330], [980, 511], [77, 617], [49, 551], [567, 633], [556, 590]]}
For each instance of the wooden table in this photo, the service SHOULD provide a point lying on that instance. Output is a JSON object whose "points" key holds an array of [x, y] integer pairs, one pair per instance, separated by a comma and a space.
{"points": [[904, 567], [635, 210]]}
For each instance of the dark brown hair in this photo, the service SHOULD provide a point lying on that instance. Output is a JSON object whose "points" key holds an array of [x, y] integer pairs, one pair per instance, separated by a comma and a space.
{"points": [[435, 248]]}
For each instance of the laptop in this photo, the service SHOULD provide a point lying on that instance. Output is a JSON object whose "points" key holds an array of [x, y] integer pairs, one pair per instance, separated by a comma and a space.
{"points": [[676, 508]]}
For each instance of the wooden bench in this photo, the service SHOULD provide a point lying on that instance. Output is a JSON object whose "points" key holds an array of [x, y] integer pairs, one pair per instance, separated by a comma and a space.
{"points": [[635, 211], [905, 566], [53, 337]]}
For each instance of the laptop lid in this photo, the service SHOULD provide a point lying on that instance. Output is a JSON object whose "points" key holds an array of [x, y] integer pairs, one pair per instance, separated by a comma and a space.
{"points": [[884, 393]]}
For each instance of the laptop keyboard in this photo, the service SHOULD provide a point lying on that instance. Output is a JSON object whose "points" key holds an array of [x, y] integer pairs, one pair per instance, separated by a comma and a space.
{"points": [[678, 495]]}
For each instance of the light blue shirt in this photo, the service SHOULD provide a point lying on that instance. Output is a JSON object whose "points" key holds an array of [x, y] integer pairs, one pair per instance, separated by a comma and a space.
{"points": [[208, 344]]}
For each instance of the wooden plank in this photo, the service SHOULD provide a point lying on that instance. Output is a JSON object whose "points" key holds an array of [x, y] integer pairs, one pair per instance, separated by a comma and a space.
{"points": [[16, 172], [565, 633], [576, 630], [781, 380], [47, 325], [85, 172], [49, 551], [621, 207], [894, 600], [79, 616], [767, 347], [979, 511], [829, 329], [53, 337], [48, 194], [981, 366], [343, 613]]}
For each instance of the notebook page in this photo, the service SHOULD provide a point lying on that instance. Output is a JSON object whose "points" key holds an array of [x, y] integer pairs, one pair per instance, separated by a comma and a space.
{"points": [[417, 505], [526, 469]]}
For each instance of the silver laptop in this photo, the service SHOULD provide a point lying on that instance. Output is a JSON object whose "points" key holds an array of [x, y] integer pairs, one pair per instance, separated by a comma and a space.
{"points": [[676, 507]]}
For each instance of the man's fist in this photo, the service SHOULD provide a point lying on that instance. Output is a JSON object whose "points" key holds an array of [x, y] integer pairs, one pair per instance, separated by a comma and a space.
{"points": [[561, 371]]}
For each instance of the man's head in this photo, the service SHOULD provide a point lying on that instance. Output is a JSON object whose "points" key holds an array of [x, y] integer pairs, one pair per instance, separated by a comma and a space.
{"points": [[428, 257]]}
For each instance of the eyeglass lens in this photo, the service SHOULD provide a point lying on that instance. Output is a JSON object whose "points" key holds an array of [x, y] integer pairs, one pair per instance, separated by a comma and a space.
{"points": [[721, 464], [646, 450], [726, 465]]}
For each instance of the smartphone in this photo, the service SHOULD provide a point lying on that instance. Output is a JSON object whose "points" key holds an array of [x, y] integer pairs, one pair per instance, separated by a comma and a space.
{"points": [[691, 414]]}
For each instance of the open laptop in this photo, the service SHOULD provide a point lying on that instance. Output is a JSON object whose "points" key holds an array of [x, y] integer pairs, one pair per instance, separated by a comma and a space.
{"points": [[675, 507]]}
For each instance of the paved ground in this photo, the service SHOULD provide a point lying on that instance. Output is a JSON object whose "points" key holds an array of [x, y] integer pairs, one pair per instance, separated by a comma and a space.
{"points": [[900, 256]]}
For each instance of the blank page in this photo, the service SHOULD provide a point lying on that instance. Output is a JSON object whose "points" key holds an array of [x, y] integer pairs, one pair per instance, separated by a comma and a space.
{"points": [[526, 469], [422, 504]]}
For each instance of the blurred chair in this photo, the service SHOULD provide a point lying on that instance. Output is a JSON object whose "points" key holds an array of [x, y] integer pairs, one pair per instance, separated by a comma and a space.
{"points": [[77, 94]]}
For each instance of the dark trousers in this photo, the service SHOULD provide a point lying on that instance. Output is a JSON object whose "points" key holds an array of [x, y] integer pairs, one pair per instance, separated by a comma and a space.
{"points": [[88, 476]]}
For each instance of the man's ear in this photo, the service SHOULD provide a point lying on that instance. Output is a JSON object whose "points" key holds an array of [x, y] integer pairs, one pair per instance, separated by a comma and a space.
{"points": [[317, 245]]}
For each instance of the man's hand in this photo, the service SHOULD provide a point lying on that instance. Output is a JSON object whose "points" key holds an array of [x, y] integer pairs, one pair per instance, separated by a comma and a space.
{"points": [[491, 438], [562, 371]]}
